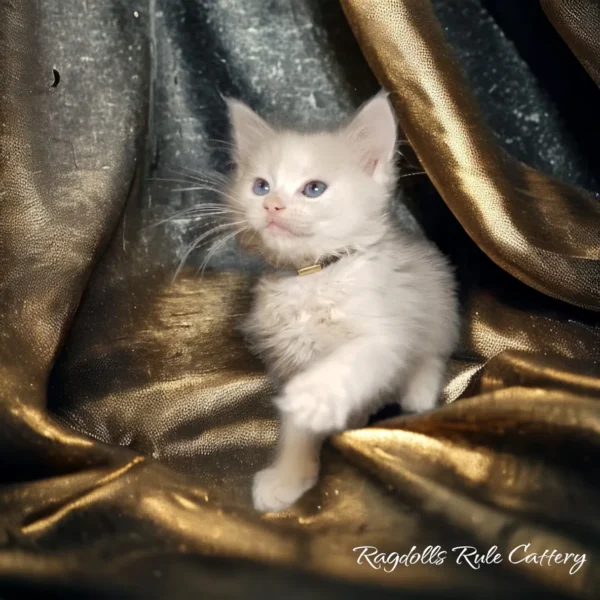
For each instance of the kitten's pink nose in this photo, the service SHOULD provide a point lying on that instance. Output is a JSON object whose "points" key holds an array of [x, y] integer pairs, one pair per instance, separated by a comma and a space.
{"points": [[273, 204]]}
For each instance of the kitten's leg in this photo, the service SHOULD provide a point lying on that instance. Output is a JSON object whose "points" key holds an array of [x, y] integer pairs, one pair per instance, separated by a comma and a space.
{"points": [[324, 397], [422, 390], [294, 471]]}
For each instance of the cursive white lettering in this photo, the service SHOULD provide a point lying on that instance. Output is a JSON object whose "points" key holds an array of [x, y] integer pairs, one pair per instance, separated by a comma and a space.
{"points": [[474, 559]]}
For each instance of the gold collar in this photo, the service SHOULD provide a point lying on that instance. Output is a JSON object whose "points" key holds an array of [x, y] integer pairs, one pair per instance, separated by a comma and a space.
{"points": [[320, 264], [276, 273]]}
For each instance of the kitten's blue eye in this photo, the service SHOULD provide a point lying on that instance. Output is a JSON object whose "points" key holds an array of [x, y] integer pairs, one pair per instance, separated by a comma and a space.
{"points": [[261, 187], [314, 189]]}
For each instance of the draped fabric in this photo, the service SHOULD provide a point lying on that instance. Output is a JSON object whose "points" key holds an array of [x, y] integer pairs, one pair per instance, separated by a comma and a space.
{"points": [[132, 417]]}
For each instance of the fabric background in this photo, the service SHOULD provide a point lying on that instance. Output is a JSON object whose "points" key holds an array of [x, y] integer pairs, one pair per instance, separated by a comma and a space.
{"points": [[132, 417]]}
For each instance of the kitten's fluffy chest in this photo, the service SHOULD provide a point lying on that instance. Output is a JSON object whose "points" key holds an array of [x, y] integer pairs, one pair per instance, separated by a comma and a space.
{"points": [[316, 298], [297, 319]]}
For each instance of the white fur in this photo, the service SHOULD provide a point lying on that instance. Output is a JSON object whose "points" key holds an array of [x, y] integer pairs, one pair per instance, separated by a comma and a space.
{"points": [[383, 319]]}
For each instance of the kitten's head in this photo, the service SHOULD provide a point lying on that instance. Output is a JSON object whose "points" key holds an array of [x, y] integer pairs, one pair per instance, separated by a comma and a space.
{"points": [[307, 195]]}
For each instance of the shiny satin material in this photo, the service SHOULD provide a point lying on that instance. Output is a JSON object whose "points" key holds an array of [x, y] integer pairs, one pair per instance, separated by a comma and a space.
{"points": [[578, 22], [535, 227], [132, 416]]}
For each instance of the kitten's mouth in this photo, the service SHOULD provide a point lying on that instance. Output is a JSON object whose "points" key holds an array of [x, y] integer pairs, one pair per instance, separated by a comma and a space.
{"points": [[278, 229]]}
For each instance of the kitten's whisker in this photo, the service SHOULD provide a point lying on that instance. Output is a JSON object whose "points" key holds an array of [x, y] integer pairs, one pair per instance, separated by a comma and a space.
{"points": [[254, 232], [186, 215], [195, 186], [252, 238], [205, 188], [212, 176], [201, 237], [199, 211], [215, 247], [199, 188], [412, 174], [212, 173], [194, 177], [207, 185], [217, 190], [204, 243], [217, 228], [225, 142], [169, 180], [205, 206], [406, 161], [220, 206]]}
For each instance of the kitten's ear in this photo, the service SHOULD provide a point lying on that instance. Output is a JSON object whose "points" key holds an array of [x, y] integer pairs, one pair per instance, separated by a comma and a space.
{"points": [[247, 128], [374, 128]]}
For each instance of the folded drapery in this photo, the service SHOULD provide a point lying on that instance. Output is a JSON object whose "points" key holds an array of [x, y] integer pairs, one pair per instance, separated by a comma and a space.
{"points": [[132, 416]]}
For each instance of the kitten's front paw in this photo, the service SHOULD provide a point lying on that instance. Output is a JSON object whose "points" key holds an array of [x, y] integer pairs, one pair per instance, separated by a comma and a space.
{"points": [[275, 489], [315, 408]]}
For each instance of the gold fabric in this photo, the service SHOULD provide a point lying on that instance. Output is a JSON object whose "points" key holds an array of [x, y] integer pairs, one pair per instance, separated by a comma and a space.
{"points": [[538, 229], [578, 22], [510, 459]]}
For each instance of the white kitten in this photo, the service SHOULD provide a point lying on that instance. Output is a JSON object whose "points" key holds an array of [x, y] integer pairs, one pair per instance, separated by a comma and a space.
{"points": [[382, 318]]}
